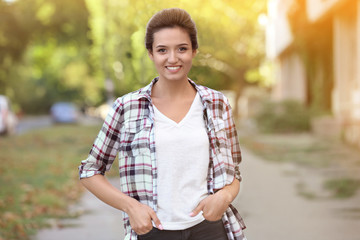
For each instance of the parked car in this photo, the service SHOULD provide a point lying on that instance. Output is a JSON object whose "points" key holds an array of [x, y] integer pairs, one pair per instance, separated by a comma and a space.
{"points": [[8, 120], [64, 112]]}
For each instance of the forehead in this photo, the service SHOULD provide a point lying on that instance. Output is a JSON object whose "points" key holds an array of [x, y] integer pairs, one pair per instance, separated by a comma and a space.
{"points": [[170, 36]]}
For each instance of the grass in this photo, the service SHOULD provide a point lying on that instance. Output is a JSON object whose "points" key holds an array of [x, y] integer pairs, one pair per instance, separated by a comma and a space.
{"points": [[342, 187], [39, 177], [302, 191]]}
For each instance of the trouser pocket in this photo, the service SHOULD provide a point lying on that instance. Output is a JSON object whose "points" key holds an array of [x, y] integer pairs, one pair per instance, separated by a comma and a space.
{"points": [[146, 235]]}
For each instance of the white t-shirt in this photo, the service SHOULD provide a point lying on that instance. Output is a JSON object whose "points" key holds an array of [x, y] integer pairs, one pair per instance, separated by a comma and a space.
{"points": [[182, 153]]}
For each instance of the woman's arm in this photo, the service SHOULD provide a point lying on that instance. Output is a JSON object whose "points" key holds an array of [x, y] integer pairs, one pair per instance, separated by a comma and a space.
{"points": [[140, 215], [215, 205]]}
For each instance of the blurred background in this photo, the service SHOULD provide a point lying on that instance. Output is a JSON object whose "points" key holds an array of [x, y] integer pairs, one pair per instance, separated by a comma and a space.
{"points": [[291, 69]]}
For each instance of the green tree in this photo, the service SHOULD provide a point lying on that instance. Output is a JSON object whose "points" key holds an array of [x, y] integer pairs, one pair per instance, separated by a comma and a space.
{"points": [[14, 39], [231, 41], [69, 49], [39, 40]]}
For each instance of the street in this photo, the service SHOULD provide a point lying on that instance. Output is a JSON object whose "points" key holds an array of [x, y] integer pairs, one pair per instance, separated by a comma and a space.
{"points": [[33, 122], [30, 123], [268, 201]]}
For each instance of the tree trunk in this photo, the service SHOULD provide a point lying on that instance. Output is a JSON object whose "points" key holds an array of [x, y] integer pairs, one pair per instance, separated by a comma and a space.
{"points": [[239, 84]]}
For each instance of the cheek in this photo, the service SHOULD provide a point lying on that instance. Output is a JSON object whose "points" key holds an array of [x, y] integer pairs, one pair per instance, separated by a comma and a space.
{"points": [[189, 61], [159, 59], [159, 62], [189, 57]]}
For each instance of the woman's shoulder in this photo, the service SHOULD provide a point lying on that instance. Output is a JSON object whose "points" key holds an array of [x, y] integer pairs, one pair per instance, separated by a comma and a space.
{"points": [[132, 97], [130, 106], [212, 95]]}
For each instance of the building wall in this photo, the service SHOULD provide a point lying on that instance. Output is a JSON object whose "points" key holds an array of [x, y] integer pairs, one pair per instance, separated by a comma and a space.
{"points": [[291, 78], [356, 113], [346, 94], [345, 62], [316, 9], [289, 71], [291, 74], [278, 32]]}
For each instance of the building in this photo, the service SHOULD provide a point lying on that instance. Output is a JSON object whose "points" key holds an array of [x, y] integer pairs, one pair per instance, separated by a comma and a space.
{"points": [[289, 70], [315, 45]]}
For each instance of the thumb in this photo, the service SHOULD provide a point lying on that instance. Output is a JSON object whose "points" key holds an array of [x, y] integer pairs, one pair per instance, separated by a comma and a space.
{"points": [[156, 220], [198, 209]]}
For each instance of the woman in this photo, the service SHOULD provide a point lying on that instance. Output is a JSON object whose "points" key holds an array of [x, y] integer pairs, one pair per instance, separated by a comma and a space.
{"points": [[177, 145]]}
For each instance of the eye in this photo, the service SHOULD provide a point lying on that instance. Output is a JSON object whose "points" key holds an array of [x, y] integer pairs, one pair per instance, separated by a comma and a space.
{"points": [[182, 49], [161, 50]]}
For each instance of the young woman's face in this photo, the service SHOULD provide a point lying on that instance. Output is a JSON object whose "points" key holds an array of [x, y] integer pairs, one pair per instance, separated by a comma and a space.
{"points": [[172, 53]]}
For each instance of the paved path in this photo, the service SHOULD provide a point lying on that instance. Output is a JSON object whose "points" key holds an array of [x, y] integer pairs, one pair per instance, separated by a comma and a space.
{"points": [[268, 201], [273, 210], [99, 222]]}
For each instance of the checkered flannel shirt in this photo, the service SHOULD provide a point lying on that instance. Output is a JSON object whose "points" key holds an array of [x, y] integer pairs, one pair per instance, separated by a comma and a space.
{"points": [[128, 131]]}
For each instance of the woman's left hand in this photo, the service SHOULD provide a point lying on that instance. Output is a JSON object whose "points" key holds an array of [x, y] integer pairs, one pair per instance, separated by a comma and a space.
{"points": [[213, 206]]}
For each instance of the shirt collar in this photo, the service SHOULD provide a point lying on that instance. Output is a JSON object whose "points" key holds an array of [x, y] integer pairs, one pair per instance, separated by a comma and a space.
{"points": [[145, 92]]}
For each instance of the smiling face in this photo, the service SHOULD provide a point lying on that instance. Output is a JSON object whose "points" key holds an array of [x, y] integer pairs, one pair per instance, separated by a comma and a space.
{"points": [[172, 54]]}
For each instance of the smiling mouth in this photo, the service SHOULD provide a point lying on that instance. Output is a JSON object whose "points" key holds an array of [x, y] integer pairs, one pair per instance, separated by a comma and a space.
{"points": [[173, 68]]}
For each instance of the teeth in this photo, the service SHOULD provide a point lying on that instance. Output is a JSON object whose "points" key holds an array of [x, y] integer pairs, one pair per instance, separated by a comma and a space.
{"points": [[173, 68]]}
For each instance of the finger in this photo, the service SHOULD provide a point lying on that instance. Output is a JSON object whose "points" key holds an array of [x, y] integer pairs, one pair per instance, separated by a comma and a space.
{"points": [[156, 220], [197, 209]]}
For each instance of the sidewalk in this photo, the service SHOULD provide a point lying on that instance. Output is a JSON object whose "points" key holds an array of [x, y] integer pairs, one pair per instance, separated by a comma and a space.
{"points": [[273, 210], [99, 221], [268, 201]]}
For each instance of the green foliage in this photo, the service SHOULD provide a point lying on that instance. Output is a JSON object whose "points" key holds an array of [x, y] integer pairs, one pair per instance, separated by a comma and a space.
{"points": [[342, 187], [286, 116], [54, 50], [40, 39]]}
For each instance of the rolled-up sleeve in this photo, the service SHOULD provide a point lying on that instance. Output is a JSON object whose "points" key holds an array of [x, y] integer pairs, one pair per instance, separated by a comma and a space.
{"points": [[106, 144], [233, 138]]}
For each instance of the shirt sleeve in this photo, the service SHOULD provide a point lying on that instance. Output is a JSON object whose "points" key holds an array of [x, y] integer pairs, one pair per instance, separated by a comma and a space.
{"points": [[232, 135], [106, 145]]}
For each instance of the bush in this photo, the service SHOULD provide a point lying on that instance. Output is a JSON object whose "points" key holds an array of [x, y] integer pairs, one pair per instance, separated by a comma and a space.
{"points": [[342, 187], [283, 117]]}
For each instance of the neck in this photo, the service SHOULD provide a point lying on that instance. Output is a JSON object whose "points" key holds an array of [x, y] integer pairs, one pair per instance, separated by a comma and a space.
{"points": [[172, 89]]}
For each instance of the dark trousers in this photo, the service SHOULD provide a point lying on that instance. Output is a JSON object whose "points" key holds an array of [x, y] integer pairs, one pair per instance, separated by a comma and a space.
{"points": [[205, 230]]}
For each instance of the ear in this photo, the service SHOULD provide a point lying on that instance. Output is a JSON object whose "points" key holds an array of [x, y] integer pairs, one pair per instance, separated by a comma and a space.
{"points": [[150, 54], [194, 52]]}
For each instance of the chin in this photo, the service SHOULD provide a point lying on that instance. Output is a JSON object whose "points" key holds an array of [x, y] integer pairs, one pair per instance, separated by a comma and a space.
{"points": [[175, 78]]}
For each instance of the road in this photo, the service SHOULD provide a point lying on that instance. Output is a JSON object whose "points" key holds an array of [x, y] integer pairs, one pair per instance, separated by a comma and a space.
{"points": [[268, 201], [33, 122], [30, 123]]}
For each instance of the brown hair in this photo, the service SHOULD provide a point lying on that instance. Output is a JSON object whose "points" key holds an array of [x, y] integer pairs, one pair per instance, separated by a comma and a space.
{"points": [[170, 18]]}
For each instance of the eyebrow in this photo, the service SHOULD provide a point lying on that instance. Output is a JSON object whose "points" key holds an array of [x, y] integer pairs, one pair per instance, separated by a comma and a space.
{"points": [[182, 44]]}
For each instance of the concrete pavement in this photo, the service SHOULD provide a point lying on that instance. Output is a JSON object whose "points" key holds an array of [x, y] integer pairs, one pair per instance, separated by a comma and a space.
{"points": [[268, 201], [274, 210], [99, 221]]}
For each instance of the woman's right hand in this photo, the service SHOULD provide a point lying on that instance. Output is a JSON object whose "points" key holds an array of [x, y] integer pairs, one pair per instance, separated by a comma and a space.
{"points": [[140, 214], [141, 217]]}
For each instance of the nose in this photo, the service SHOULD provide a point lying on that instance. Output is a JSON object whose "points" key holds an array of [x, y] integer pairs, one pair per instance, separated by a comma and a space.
{"points": [[173, 58]]}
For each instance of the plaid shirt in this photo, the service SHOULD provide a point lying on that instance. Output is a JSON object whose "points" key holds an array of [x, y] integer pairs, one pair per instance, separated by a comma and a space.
{"points": [[128, 131]]}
